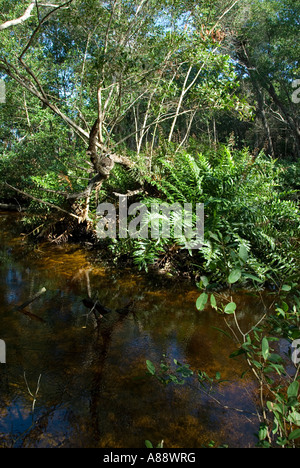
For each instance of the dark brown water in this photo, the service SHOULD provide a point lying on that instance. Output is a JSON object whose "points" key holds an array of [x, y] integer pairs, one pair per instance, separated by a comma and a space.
{"points": [[94, 390]]}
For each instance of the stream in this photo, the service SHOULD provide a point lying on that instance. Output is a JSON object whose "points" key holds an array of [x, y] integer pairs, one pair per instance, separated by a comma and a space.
{"points": [[68, 382]]}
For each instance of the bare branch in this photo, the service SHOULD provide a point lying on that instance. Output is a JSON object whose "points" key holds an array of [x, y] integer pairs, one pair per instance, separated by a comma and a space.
{"points": [[224, 14], [42, 201], [41, 23]]}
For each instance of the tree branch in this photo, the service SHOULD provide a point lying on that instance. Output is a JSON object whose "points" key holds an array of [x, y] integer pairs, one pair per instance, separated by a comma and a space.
{"points": [[21, 19], [41, 23], [42, 201]]}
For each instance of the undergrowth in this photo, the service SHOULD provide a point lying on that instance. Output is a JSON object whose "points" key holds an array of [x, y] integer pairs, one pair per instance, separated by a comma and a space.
{"points": [[245, 206]]}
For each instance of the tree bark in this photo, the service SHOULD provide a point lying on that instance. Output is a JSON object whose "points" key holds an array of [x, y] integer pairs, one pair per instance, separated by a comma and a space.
{"points": [[260, 100], [292, 122]]}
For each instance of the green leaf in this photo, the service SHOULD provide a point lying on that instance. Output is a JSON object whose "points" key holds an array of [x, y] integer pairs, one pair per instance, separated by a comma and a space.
{"points": [[280, 312], [294, 435], [214, 236], [281, 441], [151, 367], [234, 276], [275, 358], [294, 418], [263, 432], [286, 287], [230, 308], [201, 301], [236, 353], [205, 281], [213, 301], [243, 253], [265, 348], [293, 390], [278, 368], [254, 278], [292, 402], [279, 408], [257, 364], [148, 444]]}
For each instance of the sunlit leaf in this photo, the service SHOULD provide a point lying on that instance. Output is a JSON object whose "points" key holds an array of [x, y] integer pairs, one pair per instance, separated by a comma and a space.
{"points": [[293, 390], [151, 367], [230, 308], [265, 348], [202, 301], [213, 301], [235, 276], [243, 253], [205, 281]]}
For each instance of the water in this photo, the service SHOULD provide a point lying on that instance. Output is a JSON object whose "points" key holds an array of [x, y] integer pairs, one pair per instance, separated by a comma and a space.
{"points": [[70, 383]]}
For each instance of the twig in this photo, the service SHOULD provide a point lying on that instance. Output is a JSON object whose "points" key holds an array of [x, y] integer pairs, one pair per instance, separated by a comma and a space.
{"points": [[130, 193], [40, 24], [42, 201]]}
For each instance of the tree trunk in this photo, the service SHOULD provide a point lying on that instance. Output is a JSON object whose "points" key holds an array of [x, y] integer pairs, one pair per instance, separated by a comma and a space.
{"points": [[261, 108], [292, 122]]}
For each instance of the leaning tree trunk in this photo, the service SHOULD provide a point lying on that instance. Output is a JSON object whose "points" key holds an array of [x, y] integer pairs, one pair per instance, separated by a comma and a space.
{"points": [[103, 162]]}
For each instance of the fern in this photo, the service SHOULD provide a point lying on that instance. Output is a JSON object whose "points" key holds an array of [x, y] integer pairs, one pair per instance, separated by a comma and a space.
{"points": [[242, 207]]}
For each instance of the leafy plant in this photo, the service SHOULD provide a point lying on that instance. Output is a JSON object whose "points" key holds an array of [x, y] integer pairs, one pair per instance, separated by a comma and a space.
{"points": [[279, 391], [279, 415], [149, 444], [249, 238]]}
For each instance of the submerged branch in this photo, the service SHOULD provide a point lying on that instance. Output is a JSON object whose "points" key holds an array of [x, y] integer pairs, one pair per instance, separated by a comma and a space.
{"points": [[34, 298], [21, 307]]}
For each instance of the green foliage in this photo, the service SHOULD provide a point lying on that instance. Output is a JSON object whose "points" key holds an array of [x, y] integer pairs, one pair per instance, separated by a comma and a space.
{"points": [[167, 374], [250, 231], [279, 386], [149, 444], [164, 79], [279, 404], [289, 180]]}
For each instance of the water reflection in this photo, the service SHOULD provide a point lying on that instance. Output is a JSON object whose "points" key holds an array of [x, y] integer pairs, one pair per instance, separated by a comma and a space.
{"points": [[94, 391]]}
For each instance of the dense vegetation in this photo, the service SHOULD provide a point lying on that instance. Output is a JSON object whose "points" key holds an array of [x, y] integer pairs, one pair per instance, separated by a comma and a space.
{"points": [[170, 101], [165, 102]]}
